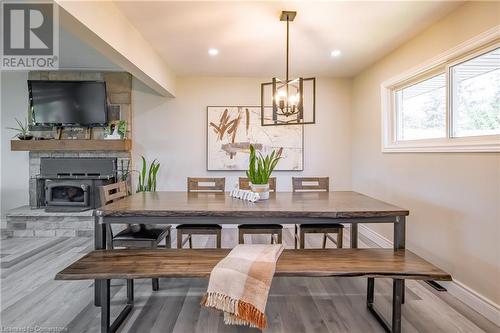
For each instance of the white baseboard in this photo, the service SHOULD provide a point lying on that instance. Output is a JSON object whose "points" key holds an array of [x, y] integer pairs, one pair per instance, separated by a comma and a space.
{"points": [[479, 303]]}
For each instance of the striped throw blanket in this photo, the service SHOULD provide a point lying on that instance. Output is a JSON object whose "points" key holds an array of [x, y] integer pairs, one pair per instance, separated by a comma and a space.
{"points": [[239, 284]]}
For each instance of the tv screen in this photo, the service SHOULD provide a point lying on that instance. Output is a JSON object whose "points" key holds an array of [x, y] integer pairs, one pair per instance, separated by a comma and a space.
{"points": [[70, 103]]}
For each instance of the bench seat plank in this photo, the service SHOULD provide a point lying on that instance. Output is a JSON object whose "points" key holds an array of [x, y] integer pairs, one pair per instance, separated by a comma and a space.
{"points": [[137, 264]]}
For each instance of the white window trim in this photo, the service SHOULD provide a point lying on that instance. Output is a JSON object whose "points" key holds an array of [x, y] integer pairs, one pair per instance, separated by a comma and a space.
{"points": [[486, 143]]}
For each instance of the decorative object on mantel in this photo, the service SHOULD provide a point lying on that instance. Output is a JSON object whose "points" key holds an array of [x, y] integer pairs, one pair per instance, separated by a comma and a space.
{"points": [[42, 132], [260, 169], [244, 195], [231, 130], [291, 98], [116, 130], [147, 179], [75, 133], [23, 130]]}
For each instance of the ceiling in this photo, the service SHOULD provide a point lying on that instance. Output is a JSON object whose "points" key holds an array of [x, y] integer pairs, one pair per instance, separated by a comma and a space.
{"points": [[251, 39]]}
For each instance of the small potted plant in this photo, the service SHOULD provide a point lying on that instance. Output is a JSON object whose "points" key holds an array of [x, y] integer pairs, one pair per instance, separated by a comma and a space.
{"points": [[260, 169], [23, 130]]}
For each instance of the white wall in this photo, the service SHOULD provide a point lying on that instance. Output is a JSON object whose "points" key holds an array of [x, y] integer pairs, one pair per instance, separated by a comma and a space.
{"points": [[174, 130], [453, 198], [14, 177]]}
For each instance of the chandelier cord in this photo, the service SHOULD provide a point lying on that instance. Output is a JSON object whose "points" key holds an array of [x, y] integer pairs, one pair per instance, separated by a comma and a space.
{"points": [[287, 47]]}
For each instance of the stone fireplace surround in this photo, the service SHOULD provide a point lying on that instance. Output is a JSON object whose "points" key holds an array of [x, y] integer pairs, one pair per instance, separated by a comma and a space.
{"points": [[32, 220]]}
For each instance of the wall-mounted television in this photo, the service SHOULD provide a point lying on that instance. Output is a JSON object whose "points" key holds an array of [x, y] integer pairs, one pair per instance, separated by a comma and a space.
{"points": [[68, 103]]}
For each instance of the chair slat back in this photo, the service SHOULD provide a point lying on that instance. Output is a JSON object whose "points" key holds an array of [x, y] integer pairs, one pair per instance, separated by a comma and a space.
{"points": [[108, 194], [244, 183], [206, 184], [112, 192], [311, 184]]}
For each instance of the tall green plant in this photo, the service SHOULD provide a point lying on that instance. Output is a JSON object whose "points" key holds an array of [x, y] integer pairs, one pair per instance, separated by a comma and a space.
{"points": [[260, 167], [147, 178]]}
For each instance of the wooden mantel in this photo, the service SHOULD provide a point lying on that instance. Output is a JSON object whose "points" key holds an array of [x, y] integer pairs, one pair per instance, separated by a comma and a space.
{"points": [[70, 145]]}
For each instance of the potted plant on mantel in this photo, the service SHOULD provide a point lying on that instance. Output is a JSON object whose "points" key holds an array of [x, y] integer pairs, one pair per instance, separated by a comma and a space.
{"points": [[23, 130], [260, 169]]}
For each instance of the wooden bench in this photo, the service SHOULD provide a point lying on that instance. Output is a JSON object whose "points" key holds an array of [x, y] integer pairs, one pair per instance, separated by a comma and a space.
{"points": [[141, 264]]}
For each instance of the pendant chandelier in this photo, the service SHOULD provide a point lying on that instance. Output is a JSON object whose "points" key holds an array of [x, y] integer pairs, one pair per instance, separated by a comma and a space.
{"points": [[293, 100]]}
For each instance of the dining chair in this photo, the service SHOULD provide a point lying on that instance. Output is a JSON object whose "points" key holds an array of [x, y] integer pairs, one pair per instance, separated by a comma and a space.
{"points": [[201, 185], [316, 184], [133, 236], [259, 229]]}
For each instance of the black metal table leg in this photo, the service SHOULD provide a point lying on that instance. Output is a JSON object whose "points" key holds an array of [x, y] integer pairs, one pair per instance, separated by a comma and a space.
{"points": [[99, 244], [400, 239], [354, 235]]}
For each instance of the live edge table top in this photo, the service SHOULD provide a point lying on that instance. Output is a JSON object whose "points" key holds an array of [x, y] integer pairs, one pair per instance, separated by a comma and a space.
{"points": [[336, 204], [152, 263]]}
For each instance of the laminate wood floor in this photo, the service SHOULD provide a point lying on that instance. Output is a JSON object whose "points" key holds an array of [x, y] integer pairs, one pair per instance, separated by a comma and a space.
{"points": [[30, 298]]}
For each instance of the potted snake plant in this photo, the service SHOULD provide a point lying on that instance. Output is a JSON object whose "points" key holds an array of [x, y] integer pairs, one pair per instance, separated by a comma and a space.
{"points": [[259, 170]]}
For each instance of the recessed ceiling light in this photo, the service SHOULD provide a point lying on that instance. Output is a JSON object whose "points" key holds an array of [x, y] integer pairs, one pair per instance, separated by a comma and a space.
{"points": [[336, 53], [213, 52]]}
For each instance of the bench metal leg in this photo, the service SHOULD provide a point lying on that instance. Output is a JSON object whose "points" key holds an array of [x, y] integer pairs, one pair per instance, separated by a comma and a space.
{"points": [[155, 284], [130, 291], [105, 305], [397, 298], [106, 325]]}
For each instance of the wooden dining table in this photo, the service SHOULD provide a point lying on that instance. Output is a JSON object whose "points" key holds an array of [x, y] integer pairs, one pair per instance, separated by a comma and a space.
{"points": [[282, 208]]}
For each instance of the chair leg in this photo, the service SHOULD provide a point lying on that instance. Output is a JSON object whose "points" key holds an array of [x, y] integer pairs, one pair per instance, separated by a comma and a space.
{"points": [[324, 241], [272, 238], [219, 239], [179, 239], [302, 239], [295, 236], [190, 241], [280, 237], [168, 240], [340, 238], [241, 236]]}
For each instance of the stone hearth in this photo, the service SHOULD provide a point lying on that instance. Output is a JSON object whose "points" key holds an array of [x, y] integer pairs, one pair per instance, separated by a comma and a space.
{"points": [[28, 222]]}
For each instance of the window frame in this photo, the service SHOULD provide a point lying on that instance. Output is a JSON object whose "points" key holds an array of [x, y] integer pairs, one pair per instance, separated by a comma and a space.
{"points": [[475, 47]]}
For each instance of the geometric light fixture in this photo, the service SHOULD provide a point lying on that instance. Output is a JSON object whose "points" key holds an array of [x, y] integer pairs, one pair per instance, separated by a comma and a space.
{"points": [[293, 100]]}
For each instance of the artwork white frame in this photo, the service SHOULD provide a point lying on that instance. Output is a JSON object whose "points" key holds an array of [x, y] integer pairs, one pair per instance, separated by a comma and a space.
{"points": [[228, 153]]}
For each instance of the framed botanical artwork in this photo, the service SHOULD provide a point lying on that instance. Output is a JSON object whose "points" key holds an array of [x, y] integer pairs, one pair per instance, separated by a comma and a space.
{"points": [[231, 130]]}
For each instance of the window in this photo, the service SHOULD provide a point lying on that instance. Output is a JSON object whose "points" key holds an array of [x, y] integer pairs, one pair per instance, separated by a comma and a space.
{"points": [[476, 95], [449, 104], [421, 109]]}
